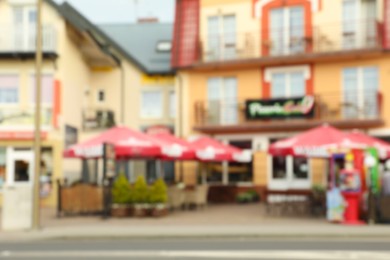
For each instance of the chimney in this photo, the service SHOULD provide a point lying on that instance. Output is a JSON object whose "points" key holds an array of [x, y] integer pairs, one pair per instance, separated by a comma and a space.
{"points": [[148, 20]]}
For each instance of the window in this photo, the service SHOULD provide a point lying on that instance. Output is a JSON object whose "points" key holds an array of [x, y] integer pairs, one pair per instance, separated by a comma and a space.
{"points": [[360, 87], [289, 172], [241, 172], [3, 166], [287, 30], [164, 46], [222, 100], [221, 37], [9, 89], [300, 168], [359, 24], [279, 167], [288, 84], [47, 88], [24, 18], [172, 104], [151, 104], [101, 97]]}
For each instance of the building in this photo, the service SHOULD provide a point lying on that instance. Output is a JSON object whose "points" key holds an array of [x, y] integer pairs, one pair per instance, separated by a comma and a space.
{"points": [[94, 77], [244, 65]]}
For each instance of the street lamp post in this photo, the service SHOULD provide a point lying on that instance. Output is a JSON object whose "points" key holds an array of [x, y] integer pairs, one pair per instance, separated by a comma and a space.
{"points": [[37, 133]]}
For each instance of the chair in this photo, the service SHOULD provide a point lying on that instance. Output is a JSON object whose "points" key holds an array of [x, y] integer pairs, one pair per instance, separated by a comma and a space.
{"points": [[197, 196], [176, 197]]}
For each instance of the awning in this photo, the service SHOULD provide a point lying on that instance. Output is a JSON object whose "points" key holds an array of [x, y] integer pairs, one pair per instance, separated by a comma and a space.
{"points": [[127, 142]]}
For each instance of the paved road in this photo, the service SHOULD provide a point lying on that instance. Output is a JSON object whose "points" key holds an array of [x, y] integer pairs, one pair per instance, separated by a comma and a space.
{"points": [[188, 249]]}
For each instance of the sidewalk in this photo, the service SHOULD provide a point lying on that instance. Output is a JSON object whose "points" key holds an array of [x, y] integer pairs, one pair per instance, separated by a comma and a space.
{"points": [[228, 221]]}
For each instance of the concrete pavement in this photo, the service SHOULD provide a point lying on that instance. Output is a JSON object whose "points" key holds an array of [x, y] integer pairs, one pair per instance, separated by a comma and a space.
{"points": [[215, 221]]}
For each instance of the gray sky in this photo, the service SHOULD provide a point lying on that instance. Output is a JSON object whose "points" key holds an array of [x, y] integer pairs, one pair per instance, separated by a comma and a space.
{"points": [[119, 11]]}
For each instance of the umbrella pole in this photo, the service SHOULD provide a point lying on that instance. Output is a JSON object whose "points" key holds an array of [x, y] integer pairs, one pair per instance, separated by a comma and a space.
{"points": [[162, 173]]}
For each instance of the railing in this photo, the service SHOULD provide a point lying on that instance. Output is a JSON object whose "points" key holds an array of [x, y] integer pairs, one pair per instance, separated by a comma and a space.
{"points": [[21, 117], [291, 41], [98, 119], [22, 39], [327, 107]]}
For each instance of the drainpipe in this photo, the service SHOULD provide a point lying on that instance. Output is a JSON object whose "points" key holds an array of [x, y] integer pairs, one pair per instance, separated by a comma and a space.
{"points": [[123, 94]]}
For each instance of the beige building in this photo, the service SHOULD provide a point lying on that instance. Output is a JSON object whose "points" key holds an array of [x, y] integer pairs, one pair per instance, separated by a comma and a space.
{"points": [[94, 77]]}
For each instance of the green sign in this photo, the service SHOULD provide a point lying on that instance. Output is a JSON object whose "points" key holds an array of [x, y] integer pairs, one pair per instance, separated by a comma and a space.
{"points": [[299, 107]]}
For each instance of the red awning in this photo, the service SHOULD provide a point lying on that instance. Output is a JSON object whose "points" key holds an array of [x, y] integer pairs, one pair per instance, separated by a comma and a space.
{"points": [[174, 148], [317, 142], [208, 149], [128, 143]]}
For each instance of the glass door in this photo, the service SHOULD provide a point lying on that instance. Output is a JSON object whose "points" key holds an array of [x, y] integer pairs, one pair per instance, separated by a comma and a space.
{"points": [[24, 20]]}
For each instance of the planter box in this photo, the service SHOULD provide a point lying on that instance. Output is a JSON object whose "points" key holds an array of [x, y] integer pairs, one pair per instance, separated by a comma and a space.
{"points": [[121, 211], [159, 210], [140, 210]]}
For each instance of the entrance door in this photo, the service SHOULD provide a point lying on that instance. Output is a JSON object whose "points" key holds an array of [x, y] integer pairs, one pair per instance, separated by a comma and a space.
{"points": [[20, 167], [18, 191]]}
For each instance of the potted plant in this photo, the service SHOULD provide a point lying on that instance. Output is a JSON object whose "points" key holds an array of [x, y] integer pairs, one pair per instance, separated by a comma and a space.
{"points": [[158, 198], [140, 197], [121, 197]]}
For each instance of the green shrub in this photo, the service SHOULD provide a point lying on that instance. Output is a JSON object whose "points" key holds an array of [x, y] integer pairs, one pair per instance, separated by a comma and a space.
{"points": [[140, 191], [243, 197], [121, 193], [158, 192], [254, 195]]}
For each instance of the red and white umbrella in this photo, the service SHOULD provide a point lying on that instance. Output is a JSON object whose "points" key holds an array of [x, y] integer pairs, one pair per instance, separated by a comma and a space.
{"points": [[359, 140], [317, 142], [208, 149], [127, 142], [173, 148]]}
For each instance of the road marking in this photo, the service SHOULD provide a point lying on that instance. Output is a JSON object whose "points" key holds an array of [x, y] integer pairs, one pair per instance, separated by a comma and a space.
{"points": [[282, 255]]}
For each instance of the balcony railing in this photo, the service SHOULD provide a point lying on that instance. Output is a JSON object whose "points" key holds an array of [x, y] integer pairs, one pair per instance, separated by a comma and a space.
{"points": [[98, 119], [24, 117], [328, 38], [327, 107], [23, 39]]}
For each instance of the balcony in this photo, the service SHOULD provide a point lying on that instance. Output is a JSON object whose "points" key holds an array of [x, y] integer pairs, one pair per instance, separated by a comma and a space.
{"points": [[98, 119], [22, 41], [16, 117], [291, 45], [355, 111]]}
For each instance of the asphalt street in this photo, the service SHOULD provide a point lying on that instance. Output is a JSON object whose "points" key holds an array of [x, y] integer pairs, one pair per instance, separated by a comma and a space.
{"points": [[277, 249]]}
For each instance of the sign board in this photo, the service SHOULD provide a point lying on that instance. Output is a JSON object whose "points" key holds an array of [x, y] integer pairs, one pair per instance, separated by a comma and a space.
{"points": [[20, 135], [109, 158], [299, 107]]}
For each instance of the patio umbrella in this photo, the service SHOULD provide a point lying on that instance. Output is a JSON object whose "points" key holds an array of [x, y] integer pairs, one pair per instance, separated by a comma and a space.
{"points": [[173, 148], [127, 142], [358, 140], [317, 142], [208, 149]]}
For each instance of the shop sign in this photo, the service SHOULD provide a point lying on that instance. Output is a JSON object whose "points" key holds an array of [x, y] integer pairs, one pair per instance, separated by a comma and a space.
{"points": [[300, 107]]}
